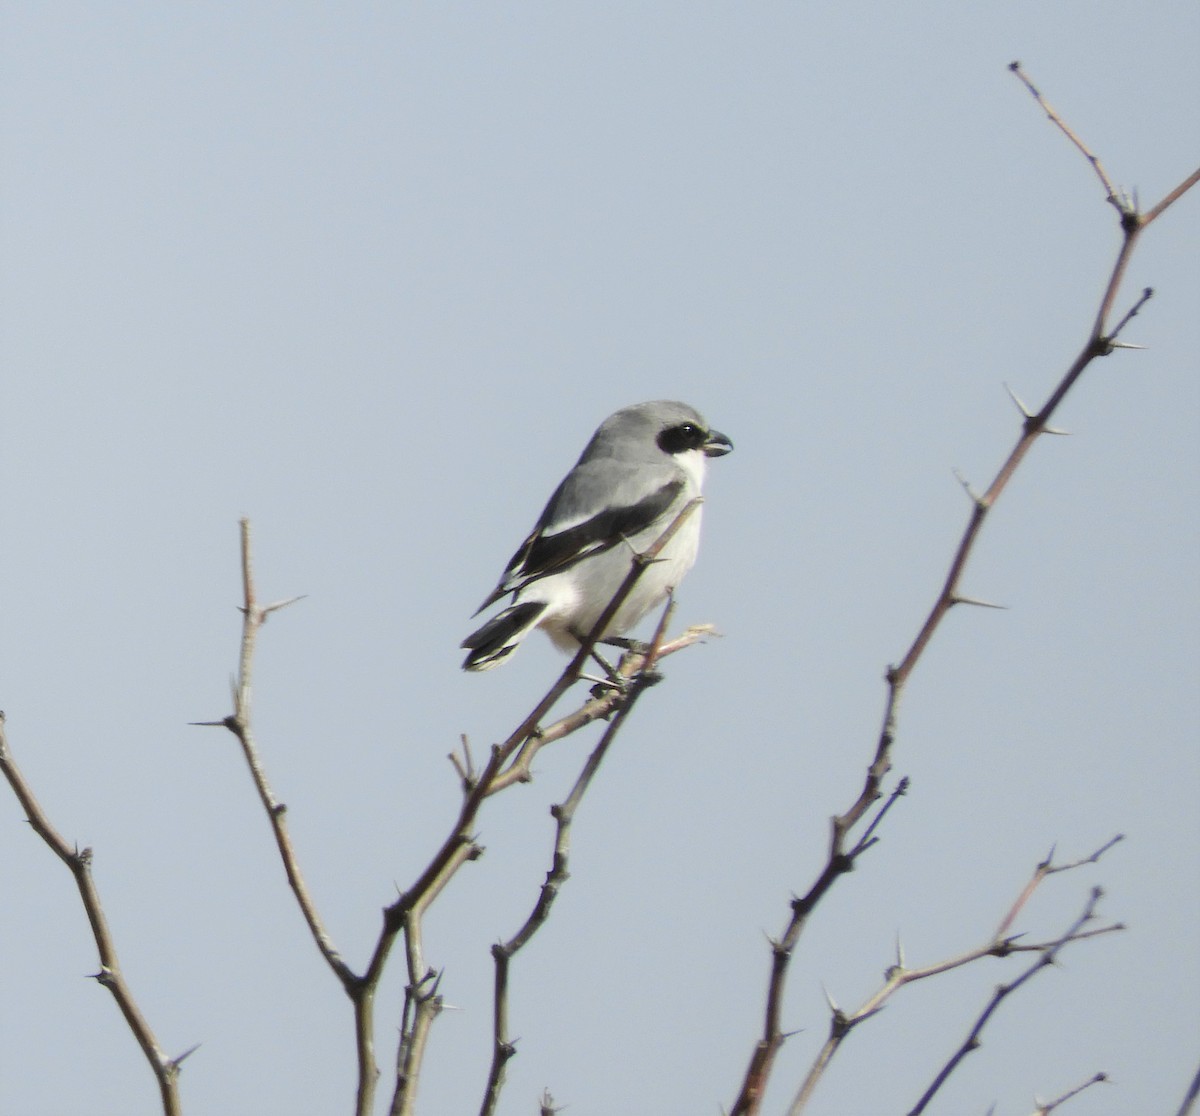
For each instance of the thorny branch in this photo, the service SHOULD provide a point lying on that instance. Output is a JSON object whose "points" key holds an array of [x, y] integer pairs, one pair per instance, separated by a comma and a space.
{"points": [[1000, 944], [110, 975], [1047, 955], [1100, 341], [239, 722], [563, 814], [507, 764]]}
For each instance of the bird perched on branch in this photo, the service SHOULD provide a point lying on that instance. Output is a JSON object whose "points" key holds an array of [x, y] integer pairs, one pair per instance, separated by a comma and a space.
{"points": [[641, 468]]}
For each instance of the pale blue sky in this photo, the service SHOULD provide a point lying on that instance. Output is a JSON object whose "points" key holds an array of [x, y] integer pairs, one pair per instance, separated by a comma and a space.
{"points": [[371, 274]]}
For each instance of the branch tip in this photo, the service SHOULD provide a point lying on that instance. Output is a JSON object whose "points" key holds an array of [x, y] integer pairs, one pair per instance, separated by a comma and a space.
{"points": [[1111, 194]]}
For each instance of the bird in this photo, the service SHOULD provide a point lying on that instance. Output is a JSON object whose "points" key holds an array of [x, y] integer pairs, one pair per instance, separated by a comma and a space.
{"points": [[639, 470]]}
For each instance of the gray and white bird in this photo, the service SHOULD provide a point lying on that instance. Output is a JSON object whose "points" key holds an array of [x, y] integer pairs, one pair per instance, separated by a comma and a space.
{"points": [[640, 469]]}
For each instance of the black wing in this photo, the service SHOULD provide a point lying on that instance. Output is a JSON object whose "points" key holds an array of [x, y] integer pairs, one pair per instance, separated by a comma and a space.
{"points": [[547, 551]]}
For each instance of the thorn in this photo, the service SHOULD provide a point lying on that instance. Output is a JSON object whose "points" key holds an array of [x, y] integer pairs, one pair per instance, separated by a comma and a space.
{"points": [[1025, 411], [177, 1062], [966, 487], [1125, 345], [831, 1002], [1056, 430], [899, 953], [265, 612], [777, 946], [976, 601]]}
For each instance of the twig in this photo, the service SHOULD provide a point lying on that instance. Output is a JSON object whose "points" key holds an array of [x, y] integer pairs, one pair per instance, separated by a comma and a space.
{"points": [[599, 708], [899, 974], [110, 975], [1044, 1108], [422, 1005], [1097, 344], [762, 1059], [422, 1000], [1048, 868], [239, 723], [1015, 67], [564, 814], [1155, 211], [1189, 1099], [1046, 958], [492, 778]]}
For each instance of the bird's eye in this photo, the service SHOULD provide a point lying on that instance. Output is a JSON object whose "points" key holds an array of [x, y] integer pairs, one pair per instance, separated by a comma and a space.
{"points": [[678, 439]]}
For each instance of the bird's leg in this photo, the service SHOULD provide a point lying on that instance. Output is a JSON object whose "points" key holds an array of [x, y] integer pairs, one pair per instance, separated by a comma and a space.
{"points": [[612, 679], [637, 646]]}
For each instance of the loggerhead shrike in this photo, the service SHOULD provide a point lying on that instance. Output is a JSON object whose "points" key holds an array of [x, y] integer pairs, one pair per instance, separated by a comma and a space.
{"points": [[637, 473]]}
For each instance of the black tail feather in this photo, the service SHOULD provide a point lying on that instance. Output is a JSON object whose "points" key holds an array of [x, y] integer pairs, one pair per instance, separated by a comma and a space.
{"points": [[499, 637]]}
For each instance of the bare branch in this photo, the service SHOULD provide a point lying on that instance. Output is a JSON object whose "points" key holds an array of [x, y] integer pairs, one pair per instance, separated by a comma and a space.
{"points": [[1190, 1098], [1110, 193], [564, 814], [1033, 425], [1156, 211], [899, 975], [1046, 958], [754, 1083], [239, 723], [422, 1005], [110, 975], [601, 706], [505, 766], [1094, 858]]}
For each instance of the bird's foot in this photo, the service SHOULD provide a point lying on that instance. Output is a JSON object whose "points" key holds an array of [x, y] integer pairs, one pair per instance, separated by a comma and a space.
{"points": [[625, 644]]}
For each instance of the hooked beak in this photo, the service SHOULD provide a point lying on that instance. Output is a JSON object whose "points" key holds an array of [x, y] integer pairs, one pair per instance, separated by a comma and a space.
{"points": [[717, 444]]}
